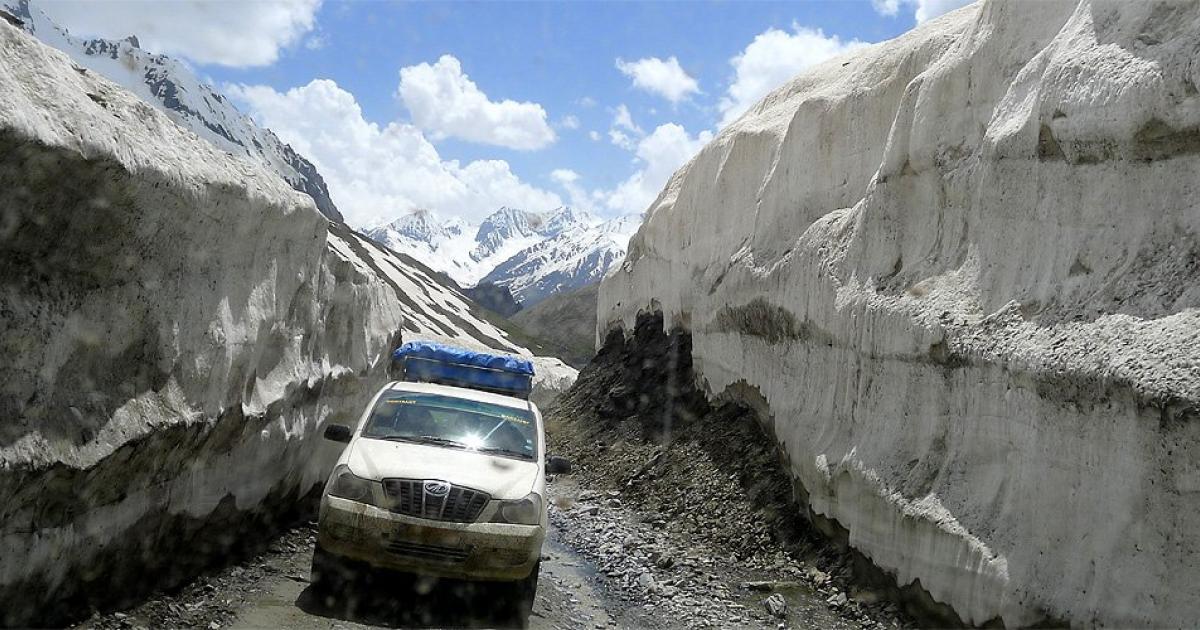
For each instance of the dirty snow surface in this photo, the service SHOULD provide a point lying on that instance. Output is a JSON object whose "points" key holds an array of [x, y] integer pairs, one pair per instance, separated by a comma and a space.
{"points": [[171, 86], [959, 275], [178, 325]]}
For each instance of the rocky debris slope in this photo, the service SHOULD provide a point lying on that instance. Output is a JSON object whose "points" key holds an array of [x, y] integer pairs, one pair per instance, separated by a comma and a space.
{"points": [[567, 320], [958, 271], [496, 299], [688, 512], [173, 88], [177, 326]]}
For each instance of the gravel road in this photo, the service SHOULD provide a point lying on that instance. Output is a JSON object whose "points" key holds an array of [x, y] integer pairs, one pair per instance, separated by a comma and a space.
{"points": [[272, 590], [603, 566]]}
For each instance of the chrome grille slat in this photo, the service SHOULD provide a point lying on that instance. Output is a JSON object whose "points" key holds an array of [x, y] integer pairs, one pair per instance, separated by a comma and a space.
{"points": [[459, 505]]}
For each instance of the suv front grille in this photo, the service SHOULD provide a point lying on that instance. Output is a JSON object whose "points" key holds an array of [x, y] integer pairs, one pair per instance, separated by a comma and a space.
{"points": [[458, 505], [434, 553]]}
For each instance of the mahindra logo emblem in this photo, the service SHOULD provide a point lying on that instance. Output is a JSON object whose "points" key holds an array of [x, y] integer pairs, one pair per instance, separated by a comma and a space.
{"points": [[437, 488]]}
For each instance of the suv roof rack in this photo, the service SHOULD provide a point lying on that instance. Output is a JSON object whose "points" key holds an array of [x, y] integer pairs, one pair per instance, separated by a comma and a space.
{"points": [[432, 362]]}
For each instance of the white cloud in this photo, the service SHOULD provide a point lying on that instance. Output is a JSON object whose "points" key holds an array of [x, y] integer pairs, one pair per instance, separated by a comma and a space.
{"points": [[624, 120], [664, 78], [445, 102], [564, 175], [569, 180], [316, 41], [886, 7], [622, 123], [377, 172], [594, 135], [586, 101], [659, 154], [773, 58], [570, 121], [621, 139], [929, 9], [204, 31], [923, 10]]}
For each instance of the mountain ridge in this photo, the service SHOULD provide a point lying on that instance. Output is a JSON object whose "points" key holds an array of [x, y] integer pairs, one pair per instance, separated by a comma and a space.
{"points": [[170, 86], [532, 254]]}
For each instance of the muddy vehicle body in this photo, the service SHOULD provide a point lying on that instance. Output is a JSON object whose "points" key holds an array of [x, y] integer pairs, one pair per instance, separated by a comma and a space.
{"points": [[443, 476]]}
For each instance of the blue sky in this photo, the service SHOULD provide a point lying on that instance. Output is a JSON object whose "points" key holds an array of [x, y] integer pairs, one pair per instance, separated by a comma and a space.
{"points": [[503, 103]]}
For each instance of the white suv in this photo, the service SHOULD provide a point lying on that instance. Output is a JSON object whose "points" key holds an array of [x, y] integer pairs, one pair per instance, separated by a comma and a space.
{"points": [[440, 481]]}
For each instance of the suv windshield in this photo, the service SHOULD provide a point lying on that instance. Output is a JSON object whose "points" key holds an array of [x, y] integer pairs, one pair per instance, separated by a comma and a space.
{"points": [[454, 423]]}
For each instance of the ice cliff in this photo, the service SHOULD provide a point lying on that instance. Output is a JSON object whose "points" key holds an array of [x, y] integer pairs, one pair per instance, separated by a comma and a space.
{"points": [[959, 273], [177, 325], [172, 87]]}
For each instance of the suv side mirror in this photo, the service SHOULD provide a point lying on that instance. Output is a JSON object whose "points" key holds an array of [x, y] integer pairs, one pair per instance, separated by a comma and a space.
{"points": [[337, 433], [556, 465]]}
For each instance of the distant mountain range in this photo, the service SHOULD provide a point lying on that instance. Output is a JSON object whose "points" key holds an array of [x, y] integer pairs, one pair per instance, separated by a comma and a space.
{"points": [[534, 255], [170, 86]]}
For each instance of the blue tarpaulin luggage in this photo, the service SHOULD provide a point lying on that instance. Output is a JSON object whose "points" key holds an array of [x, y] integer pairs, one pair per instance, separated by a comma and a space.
{"points": [[432, 362]]}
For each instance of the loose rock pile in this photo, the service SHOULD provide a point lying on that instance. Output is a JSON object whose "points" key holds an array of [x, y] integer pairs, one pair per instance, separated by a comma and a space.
{"points": [[691, 513], [210, 602]]}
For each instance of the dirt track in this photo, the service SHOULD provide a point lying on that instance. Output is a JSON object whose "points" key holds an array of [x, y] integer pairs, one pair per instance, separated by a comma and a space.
{"points": [[272, 590], [592, 576]]}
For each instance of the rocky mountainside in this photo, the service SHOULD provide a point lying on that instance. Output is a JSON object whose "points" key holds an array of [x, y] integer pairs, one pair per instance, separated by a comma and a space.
{"points": [[178, 327], [497, 299], [957, 275], [566, 319], [532, 254], [173, 88]]}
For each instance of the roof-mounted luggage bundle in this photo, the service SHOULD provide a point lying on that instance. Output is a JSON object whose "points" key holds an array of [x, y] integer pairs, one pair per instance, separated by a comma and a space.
{"points": [[432, 362]]}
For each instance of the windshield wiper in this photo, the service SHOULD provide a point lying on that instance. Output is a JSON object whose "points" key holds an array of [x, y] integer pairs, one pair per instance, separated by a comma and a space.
{"points": [[495, 450], [391, 438], [420, 439], [433, 439]]}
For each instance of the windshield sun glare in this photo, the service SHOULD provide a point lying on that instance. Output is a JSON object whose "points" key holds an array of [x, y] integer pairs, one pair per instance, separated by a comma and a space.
{"points": [[453, 423]]}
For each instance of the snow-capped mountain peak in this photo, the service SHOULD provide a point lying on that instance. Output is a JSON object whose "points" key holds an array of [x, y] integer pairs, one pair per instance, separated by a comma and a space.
{"points": [[504, 227], [566, 261], [421, 225], [172, 87], [513, 247], [568, 218]]}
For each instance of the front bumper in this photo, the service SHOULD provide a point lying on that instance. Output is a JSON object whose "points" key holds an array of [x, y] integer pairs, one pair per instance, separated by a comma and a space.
{"points": [[468, 551]]}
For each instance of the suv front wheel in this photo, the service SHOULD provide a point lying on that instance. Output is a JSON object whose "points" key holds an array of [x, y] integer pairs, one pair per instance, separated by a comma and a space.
{"points": [[329, 573], [523, 593]]}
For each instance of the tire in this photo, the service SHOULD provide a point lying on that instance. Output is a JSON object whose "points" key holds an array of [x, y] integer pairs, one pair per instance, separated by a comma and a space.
{"points": [[524, 594], [328, 572]]}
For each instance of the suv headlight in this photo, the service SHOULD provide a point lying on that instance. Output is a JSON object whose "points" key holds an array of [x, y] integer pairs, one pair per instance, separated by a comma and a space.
{"points": [[347, 485], [526, 511]]}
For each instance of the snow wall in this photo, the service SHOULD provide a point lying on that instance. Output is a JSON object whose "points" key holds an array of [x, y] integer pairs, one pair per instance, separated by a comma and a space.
{"points": [[959, 272], [177, 327]]}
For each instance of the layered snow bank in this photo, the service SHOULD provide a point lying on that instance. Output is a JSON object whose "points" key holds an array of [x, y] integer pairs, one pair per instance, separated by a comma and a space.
{"points": [[172, 87], [177, 326], [960, 271]]}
